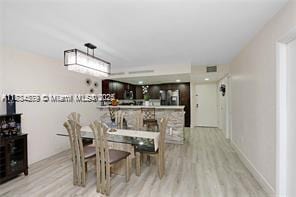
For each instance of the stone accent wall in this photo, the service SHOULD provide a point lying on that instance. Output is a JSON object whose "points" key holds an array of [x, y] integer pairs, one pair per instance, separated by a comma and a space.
{"points": [[175, 127]]}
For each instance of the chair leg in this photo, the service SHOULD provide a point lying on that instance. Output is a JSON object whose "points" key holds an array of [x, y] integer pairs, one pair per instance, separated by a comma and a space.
{"points": [[108, 183], [160, 168], [148, 160], [138, 163], [163, 165], [98, 173], [127, 169], [83, 177], [75, 181], [85, 167]]}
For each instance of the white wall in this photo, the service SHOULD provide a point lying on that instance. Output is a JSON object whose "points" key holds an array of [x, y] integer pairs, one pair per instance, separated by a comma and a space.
{"points": [[253, 97], [31, 73], [222, 106], [1, 62], [2, 104], [291, 124]]}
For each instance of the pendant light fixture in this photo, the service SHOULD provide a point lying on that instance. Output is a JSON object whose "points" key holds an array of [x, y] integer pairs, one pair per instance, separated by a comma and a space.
{"points": [[86, 63]]}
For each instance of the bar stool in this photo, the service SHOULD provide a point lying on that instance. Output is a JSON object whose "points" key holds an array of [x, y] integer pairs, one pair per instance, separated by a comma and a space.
{"points": [[149, 119]]}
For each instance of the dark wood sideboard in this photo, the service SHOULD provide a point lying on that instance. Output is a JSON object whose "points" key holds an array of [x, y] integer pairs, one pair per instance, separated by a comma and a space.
{"points": [[13, 149]]}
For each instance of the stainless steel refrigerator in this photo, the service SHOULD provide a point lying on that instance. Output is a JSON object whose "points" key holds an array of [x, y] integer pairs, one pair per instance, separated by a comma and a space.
{"points": [[169, 97]]}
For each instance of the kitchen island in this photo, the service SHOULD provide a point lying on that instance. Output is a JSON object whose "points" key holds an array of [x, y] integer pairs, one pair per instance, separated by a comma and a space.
{"points": [[175, 114]]}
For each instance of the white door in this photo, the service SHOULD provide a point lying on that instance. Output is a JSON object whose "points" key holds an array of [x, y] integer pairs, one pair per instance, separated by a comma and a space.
{"points": [[206, 105], [291, 117]]}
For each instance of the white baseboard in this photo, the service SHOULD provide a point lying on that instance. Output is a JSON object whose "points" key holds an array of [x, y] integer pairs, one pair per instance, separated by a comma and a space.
{"points": [[258, 176]]}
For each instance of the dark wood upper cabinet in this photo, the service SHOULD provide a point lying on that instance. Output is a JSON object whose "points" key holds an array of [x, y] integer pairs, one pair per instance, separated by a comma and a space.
{"points": [[105, 86], [139, 92], [117, 88], [154, 91]]}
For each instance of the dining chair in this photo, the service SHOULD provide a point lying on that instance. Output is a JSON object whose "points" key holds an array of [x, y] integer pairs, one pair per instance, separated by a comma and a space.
{"points": [[80, 154], [86, 142], [112, 112], [139, 120], [119, 118], [149, 119], [159, 154], [106, 157], [74, 116]]}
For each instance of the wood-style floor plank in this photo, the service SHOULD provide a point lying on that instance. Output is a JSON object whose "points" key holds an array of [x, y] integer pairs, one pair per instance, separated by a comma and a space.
{"points": [[206, 165]]}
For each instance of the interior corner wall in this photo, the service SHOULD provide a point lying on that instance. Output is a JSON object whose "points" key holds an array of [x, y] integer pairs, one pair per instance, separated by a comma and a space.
{"points": [[2, 104], [254, 97], [27, 73], [192, 105]]}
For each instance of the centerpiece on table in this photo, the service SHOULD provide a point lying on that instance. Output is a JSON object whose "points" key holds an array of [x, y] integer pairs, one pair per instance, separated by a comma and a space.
{"points": [[114, 102], [146, 95]]}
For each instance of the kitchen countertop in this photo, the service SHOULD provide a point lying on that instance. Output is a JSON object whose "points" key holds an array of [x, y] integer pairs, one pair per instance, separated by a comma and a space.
{"points": [[142, 106]]}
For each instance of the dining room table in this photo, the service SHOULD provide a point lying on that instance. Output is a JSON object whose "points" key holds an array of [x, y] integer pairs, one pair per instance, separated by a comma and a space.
{"points": [[139, 139]]}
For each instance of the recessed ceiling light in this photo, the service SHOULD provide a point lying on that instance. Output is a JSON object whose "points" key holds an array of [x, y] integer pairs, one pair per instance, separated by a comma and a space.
{"points": [[178, 80], [207, 79], [141, 82]]}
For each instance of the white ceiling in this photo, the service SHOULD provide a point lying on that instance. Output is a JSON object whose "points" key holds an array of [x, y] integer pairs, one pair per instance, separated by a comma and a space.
{"points": [[156, 79], [134, 33], [160, 79]]}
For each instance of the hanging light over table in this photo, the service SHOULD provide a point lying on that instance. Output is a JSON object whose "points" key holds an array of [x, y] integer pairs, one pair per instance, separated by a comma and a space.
{"points": [[86, 63]]}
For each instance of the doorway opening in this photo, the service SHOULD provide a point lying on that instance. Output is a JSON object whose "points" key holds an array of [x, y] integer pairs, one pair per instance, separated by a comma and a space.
{"points": [[212, 105]]}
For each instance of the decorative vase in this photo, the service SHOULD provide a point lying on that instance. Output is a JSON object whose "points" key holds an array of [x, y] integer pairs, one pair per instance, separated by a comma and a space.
{"points": [[146, 103]]}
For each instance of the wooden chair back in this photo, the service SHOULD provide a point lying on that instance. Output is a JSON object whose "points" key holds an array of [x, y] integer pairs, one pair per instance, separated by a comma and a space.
{"points": [[139, 120], [119, 116], [102, 157], [161, 146], [148, 113], [73, 128], [74, 116], [112, 112], [162, 132]]}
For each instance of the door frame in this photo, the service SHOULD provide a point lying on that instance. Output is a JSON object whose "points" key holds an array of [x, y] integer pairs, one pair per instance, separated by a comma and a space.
{"points": [[228, 110], [281, 111], [227, 114]]}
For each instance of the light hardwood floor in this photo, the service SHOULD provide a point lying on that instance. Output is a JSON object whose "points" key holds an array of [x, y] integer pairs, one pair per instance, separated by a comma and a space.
{"points": [[206, 166]]}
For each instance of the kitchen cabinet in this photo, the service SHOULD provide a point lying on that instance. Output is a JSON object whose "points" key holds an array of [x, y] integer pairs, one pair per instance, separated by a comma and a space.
{"points": [[139, 92], [154, 91], [118, 88]]}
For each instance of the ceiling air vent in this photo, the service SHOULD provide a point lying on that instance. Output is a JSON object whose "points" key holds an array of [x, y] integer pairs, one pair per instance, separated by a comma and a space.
{"points": [[141, 71], [118, 73], [211, 69]]}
